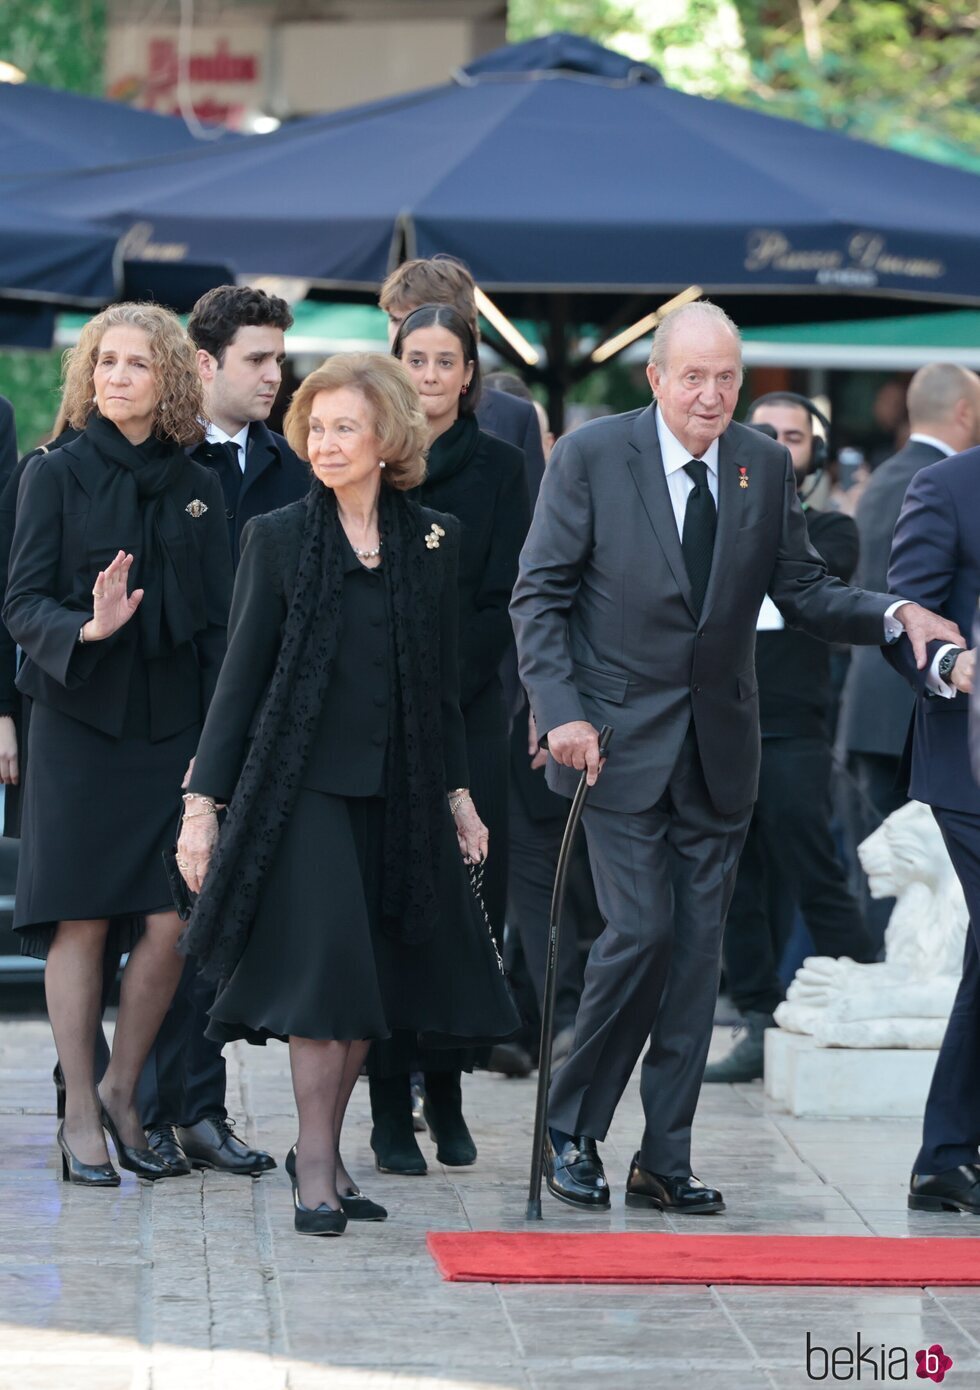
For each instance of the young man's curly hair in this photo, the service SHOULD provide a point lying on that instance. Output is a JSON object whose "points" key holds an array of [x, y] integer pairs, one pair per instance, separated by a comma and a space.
{"points": [[218, 315], [180, 409]]}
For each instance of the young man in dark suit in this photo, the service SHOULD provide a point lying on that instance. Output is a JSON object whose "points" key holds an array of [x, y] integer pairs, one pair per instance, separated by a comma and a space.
{"points": [[239, 335], [656, 536], [936, 559], [789, 859], [876, 704]]}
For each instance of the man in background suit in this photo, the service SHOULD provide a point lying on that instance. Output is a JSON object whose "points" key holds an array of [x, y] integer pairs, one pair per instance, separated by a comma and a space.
{"points": [[789, 859], [239, 335], [9, 697], [936, 559], [444, 280], [876, 704], [656, 536]]}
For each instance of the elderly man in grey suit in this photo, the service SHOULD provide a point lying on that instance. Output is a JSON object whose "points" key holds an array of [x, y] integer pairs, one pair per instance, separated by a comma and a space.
{"points": [[656, 536]]}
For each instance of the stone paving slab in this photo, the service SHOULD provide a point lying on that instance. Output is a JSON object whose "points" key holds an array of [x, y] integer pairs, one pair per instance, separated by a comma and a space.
{"points": [[200, 1283]]}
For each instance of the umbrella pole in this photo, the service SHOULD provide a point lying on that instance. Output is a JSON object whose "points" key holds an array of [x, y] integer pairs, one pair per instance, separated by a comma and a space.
{"points": [[533, 1209]]}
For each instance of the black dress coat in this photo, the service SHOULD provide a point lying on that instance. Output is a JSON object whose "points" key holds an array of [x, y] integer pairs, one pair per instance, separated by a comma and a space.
{"points": [[347, 752], [488, 496], [274, 476], [63, 536]]}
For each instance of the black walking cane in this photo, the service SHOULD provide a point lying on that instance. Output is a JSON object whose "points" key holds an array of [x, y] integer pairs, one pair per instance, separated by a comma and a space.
{"points": [[533, 1211]]}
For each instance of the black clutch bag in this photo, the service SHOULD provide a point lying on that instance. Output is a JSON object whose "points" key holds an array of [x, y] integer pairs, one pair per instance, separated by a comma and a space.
{"points": [[179, 891]]}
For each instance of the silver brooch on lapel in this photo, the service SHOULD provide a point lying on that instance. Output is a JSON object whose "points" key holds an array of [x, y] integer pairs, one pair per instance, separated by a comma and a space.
{"points": [[434, 536], [196, 508]]}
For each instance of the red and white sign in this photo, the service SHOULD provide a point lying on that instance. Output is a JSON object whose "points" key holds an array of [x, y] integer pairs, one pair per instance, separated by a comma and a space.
{"points": [[217, 74]]}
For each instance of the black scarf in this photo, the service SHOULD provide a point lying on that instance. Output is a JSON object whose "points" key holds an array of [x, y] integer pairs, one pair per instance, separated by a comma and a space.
{"points": [[450, 452], [271, 778], [173, 607]]}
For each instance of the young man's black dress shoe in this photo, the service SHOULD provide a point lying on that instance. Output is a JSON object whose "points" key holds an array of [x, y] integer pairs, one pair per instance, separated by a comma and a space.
{"points": [[685, 1196], [957, 1189], [211, 1143], [162, 1140], [575, 1173]]}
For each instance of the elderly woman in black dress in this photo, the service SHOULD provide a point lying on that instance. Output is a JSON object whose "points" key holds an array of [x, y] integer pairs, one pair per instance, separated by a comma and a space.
{"points": [[480, 480], [118, 592], [334, 904]]}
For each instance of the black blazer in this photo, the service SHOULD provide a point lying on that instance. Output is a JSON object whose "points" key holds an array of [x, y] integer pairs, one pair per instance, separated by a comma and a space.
{"points": [[274, 476], [515, 421], [794, 668], [489, 498], [876, 704], [63, 536], [263, 587]]}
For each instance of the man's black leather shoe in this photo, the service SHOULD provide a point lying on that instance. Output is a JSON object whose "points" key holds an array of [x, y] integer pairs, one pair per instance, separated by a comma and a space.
{"points": [[685, 1196], [162, 1140], [575, 1173], [211, 1143], [958, 1189]]}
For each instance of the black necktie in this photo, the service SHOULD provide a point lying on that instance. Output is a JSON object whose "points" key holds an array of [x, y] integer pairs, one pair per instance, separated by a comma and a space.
{"points": [[698, 534]]}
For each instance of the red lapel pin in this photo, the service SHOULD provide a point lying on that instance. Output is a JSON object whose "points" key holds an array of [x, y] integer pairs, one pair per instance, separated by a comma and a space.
{"points": [[743, 476]]}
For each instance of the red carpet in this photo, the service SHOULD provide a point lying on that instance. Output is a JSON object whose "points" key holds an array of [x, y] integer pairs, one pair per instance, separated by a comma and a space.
{"points": [[496, 1257]]}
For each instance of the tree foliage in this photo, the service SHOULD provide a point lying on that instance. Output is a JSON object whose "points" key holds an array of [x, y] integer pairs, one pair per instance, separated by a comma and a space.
{"points": [[903, 73]]}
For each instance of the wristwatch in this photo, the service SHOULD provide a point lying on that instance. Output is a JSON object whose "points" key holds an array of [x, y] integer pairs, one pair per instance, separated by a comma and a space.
{"points": [[946, 663]]}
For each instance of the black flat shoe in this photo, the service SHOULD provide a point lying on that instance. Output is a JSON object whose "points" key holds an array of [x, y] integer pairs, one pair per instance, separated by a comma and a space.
{"points": [[73, 1170], [212, 1143], [686, 1196], [162, 1140], [143, 1162], [443, 1111], [355, 1205], [575, 1173], [393, 1141], [957, 1189], [317, 1221]]}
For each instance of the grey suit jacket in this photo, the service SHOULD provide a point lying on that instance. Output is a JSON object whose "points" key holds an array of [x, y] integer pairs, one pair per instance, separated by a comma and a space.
{"points": [[876, 704], [605, 626]]}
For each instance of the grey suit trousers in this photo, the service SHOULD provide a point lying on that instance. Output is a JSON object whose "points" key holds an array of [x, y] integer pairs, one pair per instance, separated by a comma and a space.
{"points": [[664, 880]]}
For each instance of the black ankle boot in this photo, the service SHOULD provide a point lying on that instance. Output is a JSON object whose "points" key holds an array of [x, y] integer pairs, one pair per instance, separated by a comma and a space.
{"points": [[393, 1139], [443, 1112]]}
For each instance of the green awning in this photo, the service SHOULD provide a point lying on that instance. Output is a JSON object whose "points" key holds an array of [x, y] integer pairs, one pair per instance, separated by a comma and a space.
{"points": [[901, 344]]}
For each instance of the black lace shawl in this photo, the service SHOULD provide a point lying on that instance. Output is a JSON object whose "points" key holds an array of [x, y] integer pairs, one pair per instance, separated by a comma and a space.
{"points": [[271, 777]]}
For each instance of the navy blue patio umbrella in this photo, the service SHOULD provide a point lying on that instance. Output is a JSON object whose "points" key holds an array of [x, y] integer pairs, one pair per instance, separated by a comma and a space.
{"points": [[556, 166], [44, 131]]}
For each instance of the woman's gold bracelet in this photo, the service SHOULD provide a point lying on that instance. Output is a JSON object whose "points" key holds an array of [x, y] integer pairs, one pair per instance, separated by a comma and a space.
{"points": [[196, 815], [456, 799]]}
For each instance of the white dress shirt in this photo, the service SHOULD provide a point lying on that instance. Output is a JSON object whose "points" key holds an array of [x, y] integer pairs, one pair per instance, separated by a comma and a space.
{"points": [[216, 435]]}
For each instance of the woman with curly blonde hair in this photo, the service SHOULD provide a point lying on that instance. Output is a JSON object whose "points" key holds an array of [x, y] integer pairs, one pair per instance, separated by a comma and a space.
{"points": [[118, 592]]}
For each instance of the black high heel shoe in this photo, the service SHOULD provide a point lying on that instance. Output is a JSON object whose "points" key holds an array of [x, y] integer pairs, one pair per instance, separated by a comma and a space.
{"points": [[73, 1170], [58, 1077], [356, 1207], [143, 1162], [317, 1221]]}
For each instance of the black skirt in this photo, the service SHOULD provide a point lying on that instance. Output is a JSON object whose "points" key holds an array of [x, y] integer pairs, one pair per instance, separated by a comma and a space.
{"points": [[318, 965], [97, 814]]}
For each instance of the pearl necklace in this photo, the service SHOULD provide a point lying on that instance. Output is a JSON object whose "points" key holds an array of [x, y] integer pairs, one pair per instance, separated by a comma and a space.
{"points": [[368, 554]]}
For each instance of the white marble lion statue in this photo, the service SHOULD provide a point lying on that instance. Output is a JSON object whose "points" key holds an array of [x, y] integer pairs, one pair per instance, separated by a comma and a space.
{"points": [[905, 1000]]}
